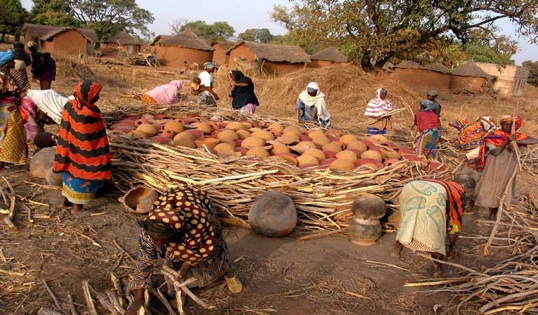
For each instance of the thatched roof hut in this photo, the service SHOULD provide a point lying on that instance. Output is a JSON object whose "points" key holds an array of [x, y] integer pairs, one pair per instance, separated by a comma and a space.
{"points": [[434, 66], [423, 77], [220, 53], [175, 50], [185, 39], [123, 38], [470, 78], [61, 39], [329, 54]]}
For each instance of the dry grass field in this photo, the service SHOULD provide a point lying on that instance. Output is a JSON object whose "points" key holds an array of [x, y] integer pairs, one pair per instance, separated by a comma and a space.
{"points": [[45, 261]]}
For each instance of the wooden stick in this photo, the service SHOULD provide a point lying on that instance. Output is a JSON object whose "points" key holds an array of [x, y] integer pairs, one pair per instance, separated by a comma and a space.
{"points": [[56, 302], [72, 304], [318, 235], [172, 274], [117, 286], [12, 273], [12, 197], [46, 311], [158, 294], [88, 297], [357, 295], [434, 283]]}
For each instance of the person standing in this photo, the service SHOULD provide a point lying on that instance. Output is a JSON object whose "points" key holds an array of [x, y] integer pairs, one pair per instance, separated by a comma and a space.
{"points": [[311, 106], [242, 93], [184, 229], [43, 66], [499, 161], [432, 95], [13, 146], [82, 151], [22, 61], [207, 95], [429, 128], [377, 109]]}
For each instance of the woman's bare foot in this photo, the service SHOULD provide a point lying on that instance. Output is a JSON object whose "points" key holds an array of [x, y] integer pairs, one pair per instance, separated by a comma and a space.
{"points": [[77, 209], [65, 204], [396, 250]]}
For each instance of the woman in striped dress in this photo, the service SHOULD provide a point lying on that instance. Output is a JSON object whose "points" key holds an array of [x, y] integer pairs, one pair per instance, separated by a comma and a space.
{"points": [[377, 110], [82, 151]]}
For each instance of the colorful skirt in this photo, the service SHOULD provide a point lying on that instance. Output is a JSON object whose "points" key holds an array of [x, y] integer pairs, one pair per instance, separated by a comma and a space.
{"points": [[13, 148], [427, 142], [79, 191], [248, 109], [148, 100], [206, 98]]}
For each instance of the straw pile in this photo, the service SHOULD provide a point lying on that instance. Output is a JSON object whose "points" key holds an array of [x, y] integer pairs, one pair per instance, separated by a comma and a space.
{"points": [[323, 198]]}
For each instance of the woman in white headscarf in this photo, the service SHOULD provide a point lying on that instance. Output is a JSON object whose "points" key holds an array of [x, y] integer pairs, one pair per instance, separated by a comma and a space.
{"points": [[311, 106], [377, 109]]}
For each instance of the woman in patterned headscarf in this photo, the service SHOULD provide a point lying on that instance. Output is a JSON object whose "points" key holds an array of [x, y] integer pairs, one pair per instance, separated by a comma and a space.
{"points": [[377, 109], [183, 228], [12, 136], [499, 161], [82, 151]]}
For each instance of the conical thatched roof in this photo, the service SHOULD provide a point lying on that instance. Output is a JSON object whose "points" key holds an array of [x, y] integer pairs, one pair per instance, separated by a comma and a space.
{"points": [[45, 32], [329, 54], [123, 38], [225, 45], [185, 39], [276, 53], [471, 69], [436, 66]]}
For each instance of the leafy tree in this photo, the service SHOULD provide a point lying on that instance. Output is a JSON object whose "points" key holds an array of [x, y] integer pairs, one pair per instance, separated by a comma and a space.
{"points": [[261, 35], [533, 71], [373, 32], [499, 52], [12, 16], [210, 32], [53, 12]]}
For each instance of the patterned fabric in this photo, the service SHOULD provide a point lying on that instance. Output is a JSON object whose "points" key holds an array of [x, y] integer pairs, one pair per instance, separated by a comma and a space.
{"points": [[248, 109], [454, 204], [190, 212], [497, 137], [13, 147], [82, 146], [317, 101], [79, 191], [377, 106], [21, 77], [148, 100], [427, 142], [206, 98]]}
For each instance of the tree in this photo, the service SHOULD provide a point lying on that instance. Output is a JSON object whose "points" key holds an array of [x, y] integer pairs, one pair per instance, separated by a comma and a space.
{"points": [[499, 52], [261, 35], [373, 32], [53, 12], [12, 16], [210, 32], [533, 71]]}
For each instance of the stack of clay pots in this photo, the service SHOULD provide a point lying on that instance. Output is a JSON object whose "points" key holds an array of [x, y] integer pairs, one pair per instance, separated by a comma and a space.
{"points": [[365, 227], [303, 148]]}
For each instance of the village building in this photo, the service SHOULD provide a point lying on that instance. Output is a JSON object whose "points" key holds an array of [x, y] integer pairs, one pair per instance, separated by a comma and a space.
{"points": [[269, 58], [470, 78], [123, 44], [60, 39], [327, 57], [509, 80], [423, 77], [175, 50], [220, 52]]}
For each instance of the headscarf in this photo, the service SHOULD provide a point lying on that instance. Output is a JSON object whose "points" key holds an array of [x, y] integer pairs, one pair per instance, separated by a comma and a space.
{"points": [[187, 211], [208, 65], [86, 94], [426, 105], [317, 100], [238, 75], [459, 123], [498, 136], [166, 94], [433, 93], [377, 106], [6, 56]]}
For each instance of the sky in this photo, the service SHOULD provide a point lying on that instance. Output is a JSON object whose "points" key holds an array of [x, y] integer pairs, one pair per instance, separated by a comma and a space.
{"points": [[249, 14]]}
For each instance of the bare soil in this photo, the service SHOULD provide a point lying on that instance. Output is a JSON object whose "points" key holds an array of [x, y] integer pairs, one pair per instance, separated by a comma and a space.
{"points": [[328, 275]]}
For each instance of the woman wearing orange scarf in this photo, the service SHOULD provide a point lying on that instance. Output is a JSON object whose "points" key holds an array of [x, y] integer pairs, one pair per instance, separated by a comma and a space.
{"points": [[499, 160]]}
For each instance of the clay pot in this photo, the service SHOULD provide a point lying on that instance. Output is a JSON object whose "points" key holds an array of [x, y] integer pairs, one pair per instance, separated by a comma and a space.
{"points": [[306, 159], [372, 154], [42, 161], [347, 155], [303, 137], [139, 199], [332, 146], [141, 121], [235, 125], [276, 127], [166, 133], [390, 162], [224, 148], [162, 117], [243, 134], [364, 234], [329, 154], [252, 141], [334, 133], [197, 134], [279, 148], [204, 127], [264, 134], [321, 140], [346, 139], [356, 145], [371, 163], [273, 214], [292, 129], [327, 161], [289, 158], [317, 153], [207, 142], [368, 207], [389, 153], [161, 139], [315, 133], [404, 150], [258, 152], [228, 134], [343, 165], [174, 126], [377, 138], [54, 179], [148, 117], [137, 134]]}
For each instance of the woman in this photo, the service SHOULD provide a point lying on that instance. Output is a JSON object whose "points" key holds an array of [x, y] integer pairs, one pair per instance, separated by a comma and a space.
{"points": [[377, 109], [183, 228], [432, 95], [431, 211], [243, 97], [499, 161], [13, 147], [429, 128], [82, 151], [22, 60], [166, 94], [207, 95], [311, 106], [43, 67]]}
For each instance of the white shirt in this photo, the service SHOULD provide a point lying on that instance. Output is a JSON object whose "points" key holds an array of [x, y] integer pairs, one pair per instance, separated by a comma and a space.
{"points": [[206, 79]]}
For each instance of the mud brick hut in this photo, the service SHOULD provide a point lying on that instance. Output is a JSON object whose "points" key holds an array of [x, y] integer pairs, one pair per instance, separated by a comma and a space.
{"points": [[220, 52], [60, 39], [270, 58], [470, 78], [509, 80], [174, 50], [423, 77], [327, 57], [123, 42]]}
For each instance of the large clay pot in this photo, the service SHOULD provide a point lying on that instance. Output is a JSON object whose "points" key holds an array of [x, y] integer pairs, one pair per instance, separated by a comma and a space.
{"points": [[208, 142], [273, 214], [368, 206], [139, 199], [54, 179], [364, 234], [41, 162]]}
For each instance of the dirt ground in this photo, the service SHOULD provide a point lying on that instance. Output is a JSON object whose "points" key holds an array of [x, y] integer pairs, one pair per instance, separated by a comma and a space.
{"points": [[52, 252]]}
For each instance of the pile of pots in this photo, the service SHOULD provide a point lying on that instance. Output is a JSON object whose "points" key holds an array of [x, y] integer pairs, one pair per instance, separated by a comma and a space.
{"points": [[314, 148]]}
